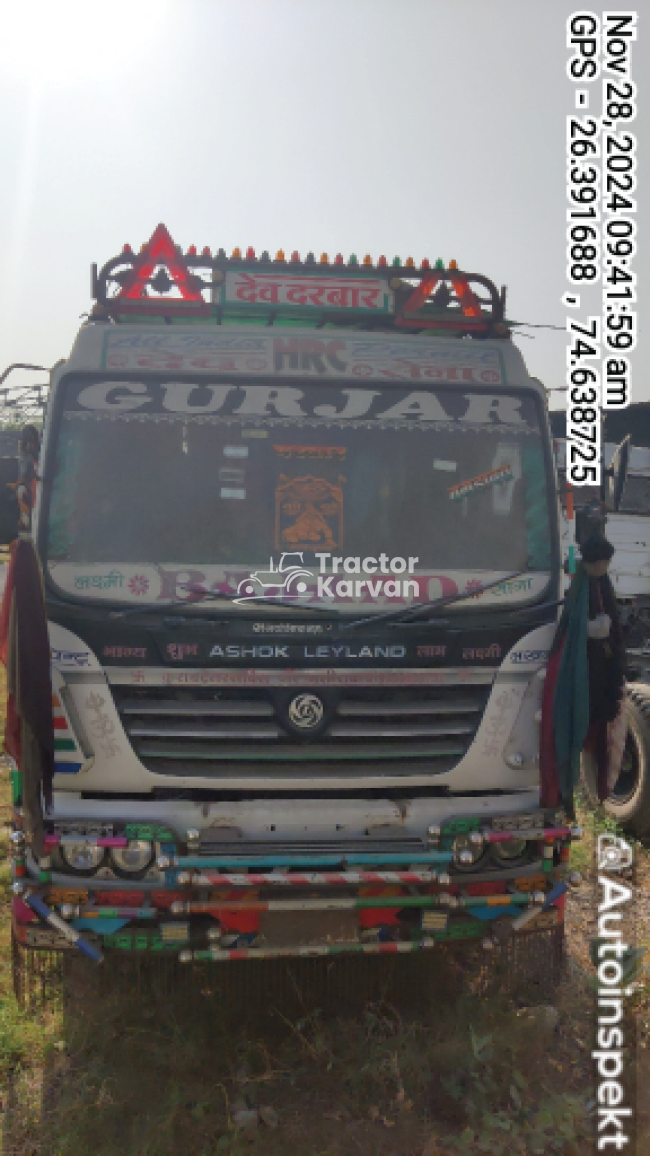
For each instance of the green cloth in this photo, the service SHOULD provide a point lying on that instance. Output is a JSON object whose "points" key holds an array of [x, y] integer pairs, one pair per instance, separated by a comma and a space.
{"points": [[571, 698]]}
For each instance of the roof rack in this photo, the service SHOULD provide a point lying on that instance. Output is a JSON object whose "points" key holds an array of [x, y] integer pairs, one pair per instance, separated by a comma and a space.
{"points": [[162, 282], [19, 402]]}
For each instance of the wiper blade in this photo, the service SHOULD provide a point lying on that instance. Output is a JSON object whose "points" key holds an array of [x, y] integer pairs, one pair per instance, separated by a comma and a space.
{"points": [[411, 613], [218, 596], [164, 607]]}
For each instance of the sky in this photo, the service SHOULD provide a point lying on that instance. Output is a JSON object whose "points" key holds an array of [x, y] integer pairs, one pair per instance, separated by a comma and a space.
{"points": [[415, 128]]}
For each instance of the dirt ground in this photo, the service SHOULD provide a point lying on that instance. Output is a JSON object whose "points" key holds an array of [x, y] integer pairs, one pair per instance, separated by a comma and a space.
{"points": [[404, 1060]]}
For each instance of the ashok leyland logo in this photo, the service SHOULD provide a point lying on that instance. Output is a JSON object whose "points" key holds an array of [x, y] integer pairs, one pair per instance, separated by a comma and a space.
{"points": [[291, 579], [305, 711]]}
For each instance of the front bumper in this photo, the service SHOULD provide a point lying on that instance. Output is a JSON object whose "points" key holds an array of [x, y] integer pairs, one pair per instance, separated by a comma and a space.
{"points": [[203, 900]]}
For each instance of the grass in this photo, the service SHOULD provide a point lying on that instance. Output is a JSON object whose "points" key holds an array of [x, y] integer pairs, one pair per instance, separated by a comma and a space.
{"points": [[125, 1067]]}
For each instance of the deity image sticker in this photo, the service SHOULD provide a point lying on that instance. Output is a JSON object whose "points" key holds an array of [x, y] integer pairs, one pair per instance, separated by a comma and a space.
{"points": [[308, 513]]}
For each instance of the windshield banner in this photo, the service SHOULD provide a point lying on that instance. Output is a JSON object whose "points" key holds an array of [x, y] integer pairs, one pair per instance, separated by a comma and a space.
{"points": [[371, 359], [349, 586]]}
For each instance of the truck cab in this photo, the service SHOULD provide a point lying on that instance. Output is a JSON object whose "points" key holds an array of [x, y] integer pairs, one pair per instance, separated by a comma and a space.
{"points": [[369, 436]]}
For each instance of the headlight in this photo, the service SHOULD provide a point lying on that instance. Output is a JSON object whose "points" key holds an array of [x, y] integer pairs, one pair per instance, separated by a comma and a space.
{"points": [[468, 851], [84, 858], [132, 860], [507, 852]]}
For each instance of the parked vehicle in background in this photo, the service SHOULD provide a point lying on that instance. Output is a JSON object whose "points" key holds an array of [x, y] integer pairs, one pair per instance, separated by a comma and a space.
{"points": [[628, 529]]}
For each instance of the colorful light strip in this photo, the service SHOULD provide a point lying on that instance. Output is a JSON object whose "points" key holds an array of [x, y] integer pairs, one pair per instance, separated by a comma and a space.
{"points": [[340, 879], [73, 840], [118, 913], [531, 833], [351, 903], [213, 955], [68, 759], [200, 862]]}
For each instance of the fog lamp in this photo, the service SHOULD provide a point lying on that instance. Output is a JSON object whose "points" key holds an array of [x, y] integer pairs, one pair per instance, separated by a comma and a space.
{"points": [[84, 858], [133, 859], [507, 852], [467, 852]]}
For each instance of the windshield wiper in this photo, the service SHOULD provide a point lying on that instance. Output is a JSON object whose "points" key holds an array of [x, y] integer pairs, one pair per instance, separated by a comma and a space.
{"points": [[218, 596], [412, 613]]}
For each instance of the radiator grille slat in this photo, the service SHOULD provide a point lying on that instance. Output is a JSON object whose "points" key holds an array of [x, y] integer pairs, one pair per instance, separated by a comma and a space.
{"points": [[315, 752], [229, 709], [198, 730], [450, 705], [240, 734]]}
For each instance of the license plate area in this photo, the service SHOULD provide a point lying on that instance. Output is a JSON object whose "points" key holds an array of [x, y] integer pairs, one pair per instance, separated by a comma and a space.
{"points": [[309, 928]]}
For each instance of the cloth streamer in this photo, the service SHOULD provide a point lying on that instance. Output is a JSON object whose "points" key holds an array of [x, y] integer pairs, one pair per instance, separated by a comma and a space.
{"points": [[25, 651], [565, 702], [583, 705]]}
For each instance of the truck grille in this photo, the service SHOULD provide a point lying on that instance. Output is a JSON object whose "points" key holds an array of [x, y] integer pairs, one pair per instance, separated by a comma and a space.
{"points": [[246, 733]]}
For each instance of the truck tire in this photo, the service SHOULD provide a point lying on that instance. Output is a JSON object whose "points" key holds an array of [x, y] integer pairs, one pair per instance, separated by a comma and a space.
{"points": [[629, 802]]}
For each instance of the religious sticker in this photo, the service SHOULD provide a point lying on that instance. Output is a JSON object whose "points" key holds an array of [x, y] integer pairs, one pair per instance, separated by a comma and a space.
{"points": [[308, 513]]}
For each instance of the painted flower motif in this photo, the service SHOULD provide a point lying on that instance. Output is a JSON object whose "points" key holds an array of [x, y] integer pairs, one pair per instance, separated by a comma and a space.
{"points": [[138, 584], [473, 584]]}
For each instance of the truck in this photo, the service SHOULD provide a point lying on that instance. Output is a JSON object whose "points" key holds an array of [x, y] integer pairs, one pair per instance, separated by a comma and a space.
{"points": [[626, 521], [299, 533]]}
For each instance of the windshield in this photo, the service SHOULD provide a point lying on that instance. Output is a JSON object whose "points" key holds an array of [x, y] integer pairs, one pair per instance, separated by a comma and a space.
{"points": [[362, 498]]}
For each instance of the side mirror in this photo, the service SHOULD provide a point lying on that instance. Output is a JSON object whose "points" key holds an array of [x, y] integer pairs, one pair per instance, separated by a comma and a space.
{"points": [[616, 476], [590, 520]]}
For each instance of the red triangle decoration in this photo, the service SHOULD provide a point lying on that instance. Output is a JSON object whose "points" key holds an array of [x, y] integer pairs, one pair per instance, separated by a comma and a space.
{"points": [[160, 250]]}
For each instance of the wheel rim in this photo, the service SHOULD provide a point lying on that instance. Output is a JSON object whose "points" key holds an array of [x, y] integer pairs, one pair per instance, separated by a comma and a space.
{"points": [[628, 780]]}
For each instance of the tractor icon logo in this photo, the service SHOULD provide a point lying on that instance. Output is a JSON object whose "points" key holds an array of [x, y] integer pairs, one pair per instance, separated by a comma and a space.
{"points": [[289, 578]]}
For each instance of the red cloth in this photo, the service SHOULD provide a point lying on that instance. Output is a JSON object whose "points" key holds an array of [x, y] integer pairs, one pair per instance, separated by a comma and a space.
{"points": [[12, 720], [25, 650], [5, 609]]}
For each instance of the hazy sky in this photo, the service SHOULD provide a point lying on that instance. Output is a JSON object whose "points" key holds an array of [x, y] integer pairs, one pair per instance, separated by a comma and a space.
{"points": [[419, 128]]}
